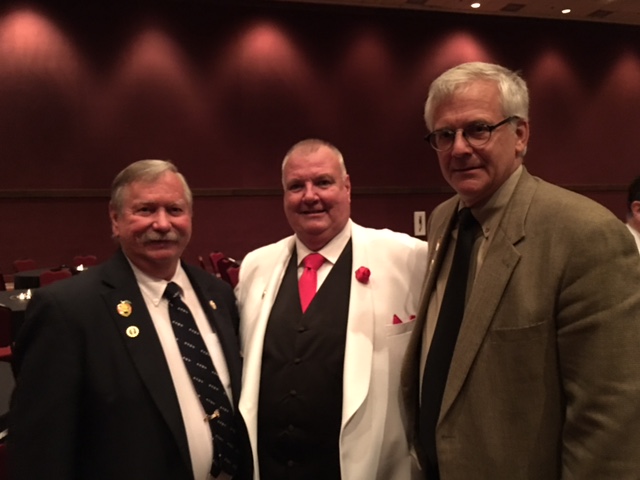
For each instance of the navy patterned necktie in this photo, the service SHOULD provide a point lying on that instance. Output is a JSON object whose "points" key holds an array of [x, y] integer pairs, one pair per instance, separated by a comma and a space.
{"points": [[214, 399], [445, 336]]}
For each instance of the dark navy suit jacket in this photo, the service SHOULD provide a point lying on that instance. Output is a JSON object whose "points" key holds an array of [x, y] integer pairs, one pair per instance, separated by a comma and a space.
{"points": [[91, 401]]}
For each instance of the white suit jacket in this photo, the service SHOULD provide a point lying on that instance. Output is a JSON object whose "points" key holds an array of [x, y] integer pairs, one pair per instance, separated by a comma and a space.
{"points": [[373, 441]]}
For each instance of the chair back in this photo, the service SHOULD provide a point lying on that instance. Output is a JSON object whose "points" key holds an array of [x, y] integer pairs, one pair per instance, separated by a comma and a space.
{"points": [[49, 276], [224, 266], [84, 260], [3, 286], [215, 258], [5, 326], [24, 264], [4, 469], [233, 273], [203, 264], [5, 334]]}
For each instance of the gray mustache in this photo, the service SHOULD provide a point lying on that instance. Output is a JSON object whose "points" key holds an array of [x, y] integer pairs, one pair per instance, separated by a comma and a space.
{"points": [[160, 237]]}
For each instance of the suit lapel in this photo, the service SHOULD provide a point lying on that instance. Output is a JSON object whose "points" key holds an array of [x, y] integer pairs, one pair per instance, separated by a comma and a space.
{"points": [[441, 225], [481, 307], [253, 333], [360, 330], [210, 299], [499, 263], [442, 228], [144, 346]]}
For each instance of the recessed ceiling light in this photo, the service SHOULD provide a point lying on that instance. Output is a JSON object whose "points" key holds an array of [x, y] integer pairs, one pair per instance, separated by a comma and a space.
{"points": [[475, 5], [566, 10]]}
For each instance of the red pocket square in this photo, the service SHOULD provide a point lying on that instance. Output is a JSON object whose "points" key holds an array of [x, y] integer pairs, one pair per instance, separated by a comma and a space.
{"points": [[397, 320]]}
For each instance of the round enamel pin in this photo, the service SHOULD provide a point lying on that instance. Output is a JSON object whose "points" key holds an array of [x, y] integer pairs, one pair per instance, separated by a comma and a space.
{"points": [[132, 331]]}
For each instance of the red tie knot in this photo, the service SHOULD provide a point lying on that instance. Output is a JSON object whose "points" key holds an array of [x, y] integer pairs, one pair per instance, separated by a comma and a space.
{"points": [[313, 261]]}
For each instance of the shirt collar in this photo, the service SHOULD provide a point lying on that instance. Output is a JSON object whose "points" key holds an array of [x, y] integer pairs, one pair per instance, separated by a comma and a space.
{"points": [[153, 288], [489, 214], [332, 250]]}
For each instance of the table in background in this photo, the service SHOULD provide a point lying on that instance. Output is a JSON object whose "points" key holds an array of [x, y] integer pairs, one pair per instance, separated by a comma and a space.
{"points": [[28, 278], [31, 278], [10, 299]]}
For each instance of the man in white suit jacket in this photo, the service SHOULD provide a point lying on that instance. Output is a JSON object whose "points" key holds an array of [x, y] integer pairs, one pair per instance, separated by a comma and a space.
{"points": [[380, 291]]}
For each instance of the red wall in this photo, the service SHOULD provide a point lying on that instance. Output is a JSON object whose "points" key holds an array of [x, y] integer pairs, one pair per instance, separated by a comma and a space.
{"points": [[223, 91]]}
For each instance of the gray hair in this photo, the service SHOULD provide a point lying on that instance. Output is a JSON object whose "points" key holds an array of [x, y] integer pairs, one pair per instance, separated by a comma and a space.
{"points": [[311, 145], [144, 171], [514, 95]]}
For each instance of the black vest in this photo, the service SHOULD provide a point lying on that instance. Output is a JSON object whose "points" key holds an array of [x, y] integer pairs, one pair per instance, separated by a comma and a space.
{"points": [[300, 407]]}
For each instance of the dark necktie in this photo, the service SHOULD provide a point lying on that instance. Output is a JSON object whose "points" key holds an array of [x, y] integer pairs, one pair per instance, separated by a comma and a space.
{"points": [[444, 338], [214, 399], [308, 283]]}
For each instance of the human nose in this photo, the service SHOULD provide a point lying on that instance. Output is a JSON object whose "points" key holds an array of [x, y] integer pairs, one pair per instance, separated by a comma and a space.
{"points": [[161, 220], [309, 193], [460, 144]]}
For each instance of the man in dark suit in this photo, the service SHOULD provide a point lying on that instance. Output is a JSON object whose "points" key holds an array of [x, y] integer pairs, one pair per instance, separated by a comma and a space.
{"points": [[102, 390], [538, 376]]}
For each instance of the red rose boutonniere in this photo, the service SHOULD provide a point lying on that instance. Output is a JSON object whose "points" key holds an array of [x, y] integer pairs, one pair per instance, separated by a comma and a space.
{"points": [[363, 274]]}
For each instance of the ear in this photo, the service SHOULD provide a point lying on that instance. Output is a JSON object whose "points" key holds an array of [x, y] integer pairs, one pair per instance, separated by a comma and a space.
{"points": [[347, 186], [522, 137], [635, 209], [113, 216]]}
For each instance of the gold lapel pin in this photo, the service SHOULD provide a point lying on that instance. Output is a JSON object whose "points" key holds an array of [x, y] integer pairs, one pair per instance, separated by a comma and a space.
{"points": [[124, 308], [132, 331], [213, 304]]}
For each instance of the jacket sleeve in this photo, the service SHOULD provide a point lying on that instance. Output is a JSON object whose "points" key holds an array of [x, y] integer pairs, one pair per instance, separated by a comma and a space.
{"points": [[598, 335], [45, 406]]}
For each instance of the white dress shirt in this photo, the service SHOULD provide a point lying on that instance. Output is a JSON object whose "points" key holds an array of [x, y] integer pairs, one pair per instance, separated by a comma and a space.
{"points": [[636, 235], [489, 217], [331, 252], [198, 431]]}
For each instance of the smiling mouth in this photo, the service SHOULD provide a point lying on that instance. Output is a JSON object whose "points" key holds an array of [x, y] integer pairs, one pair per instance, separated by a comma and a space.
{"points": [[160, 243], [465, 169], [315, 212]]}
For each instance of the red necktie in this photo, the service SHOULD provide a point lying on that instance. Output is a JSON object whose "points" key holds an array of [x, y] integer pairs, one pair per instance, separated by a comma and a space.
{"points": [[308, 283]]}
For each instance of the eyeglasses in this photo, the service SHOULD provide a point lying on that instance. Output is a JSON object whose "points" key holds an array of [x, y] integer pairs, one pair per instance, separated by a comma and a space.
{"points": [[476, 134]]}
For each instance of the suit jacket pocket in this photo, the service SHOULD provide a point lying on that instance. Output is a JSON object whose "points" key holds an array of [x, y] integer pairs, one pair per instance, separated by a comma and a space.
{"points": [[519, 334], [397, 341], [399, 328]]}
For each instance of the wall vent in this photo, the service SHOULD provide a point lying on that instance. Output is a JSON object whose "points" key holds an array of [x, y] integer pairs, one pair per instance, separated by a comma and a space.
{"points": [[599, 14], [512, 7]]}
